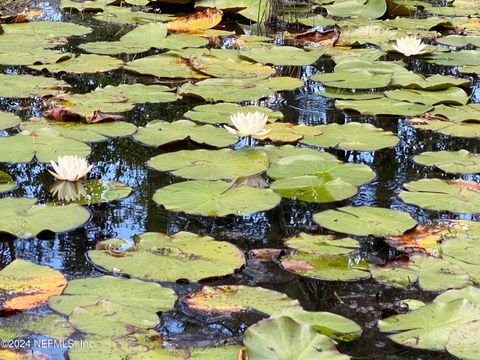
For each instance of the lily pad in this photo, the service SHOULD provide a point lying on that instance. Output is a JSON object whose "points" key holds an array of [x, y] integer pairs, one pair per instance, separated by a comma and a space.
{"points": [[329, 324], [90, 133], [45, 29], [24, 86], [287, 154], [110, 319], [267, 340], [314, 180], [452, 95], [256, 10], [45, 144], [322, 244], [212, 164], [288, 132], [457, 196], [163, 66], [160, 257], [24, 325], [128, 292], [82, 64], [88, 192], [352, 136], [236, 90], [437, 274], [383, 106], [455, 58], [230, 68], [21, 217], [159, 132], [237, 298], [328, 268], [358, 80], [429, 326], [220, 113], [453, 162], [459, 121], [6, 182], [282, 55], [398, 277], [463, 341], [126, 15], [8, 120], [215, 198], [411, 80], [25, 285], [369, 9], [364, 221]]}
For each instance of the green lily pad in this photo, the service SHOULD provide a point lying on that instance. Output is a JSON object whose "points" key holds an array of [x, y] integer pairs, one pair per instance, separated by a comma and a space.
{"points": [[318, 181], [314, 189], [159, 132], [230, 68], [25, 285], [85, 6], [322, 244], [45, 29], [90, 133], [215, 198], [45, 144], [438, 274], [453, 162], [349, 94], [459, 121], [348, 55], [455, 58], [236, 90], [399, 277], [452, 95], [220, 113], [369, 9], [465, 250], [163, 66], [287, 132], [429, 326], [82, 64], [255, 10], [266, 340], [282, 55], [237, 298], [316, 20], [8, 120], [106, 318], [352, 136], [137, 294], [88, 192], [353, 33], [463, 342], [27, 55], [412, 80], [457, 196], [24, 325], [383, 106], [469, 293], [328, 268], [212, 164], [358, 80], [332, 325], [6, 182], [184, 255], [287, 154], [21, 217], [125, 15], [469, 69], [364, 221], [24, 86]]}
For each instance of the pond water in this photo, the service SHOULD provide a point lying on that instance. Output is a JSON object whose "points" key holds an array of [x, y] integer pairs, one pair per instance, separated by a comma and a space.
{"points": [[124, 160]]}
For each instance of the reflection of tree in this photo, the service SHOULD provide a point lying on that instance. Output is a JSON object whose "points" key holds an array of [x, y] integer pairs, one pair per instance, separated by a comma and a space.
{"points": [[7, 253]]}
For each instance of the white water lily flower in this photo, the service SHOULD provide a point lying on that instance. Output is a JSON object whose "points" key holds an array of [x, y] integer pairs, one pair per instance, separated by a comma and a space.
{"points": [[248, 124], [410, 45], [70, 168], [68, 190]]}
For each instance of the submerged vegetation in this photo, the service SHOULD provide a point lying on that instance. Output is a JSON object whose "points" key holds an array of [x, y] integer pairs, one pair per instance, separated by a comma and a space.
{"points": [[244, 180]]}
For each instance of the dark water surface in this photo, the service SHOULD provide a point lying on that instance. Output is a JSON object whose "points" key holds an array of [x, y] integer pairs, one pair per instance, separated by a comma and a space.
{"points": [[124, 160]]}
